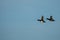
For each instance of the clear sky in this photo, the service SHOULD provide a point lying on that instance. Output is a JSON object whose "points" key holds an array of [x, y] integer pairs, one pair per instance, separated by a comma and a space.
{"points": [[18, 20]]}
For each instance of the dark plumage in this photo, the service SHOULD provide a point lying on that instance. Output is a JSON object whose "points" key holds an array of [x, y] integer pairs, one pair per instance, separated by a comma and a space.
{"points": [[50, 19], [42, 19]]}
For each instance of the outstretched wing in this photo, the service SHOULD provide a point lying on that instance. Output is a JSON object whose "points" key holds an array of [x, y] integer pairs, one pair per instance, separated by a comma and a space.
{"points": [[38, 20], [42, 18], [51, 17]]}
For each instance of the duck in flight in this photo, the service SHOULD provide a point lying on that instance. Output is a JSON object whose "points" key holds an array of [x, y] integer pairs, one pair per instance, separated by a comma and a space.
{"points": [[41, 20], [50, 19]]}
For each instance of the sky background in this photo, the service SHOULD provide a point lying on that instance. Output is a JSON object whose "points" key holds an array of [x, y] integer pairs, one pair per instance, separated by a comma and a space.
{"points": [[18, 20]]}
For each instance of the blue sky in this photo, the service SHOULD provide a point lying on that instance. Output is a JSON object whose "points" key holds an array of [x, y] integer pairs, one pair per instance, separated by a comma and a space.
{"points": [[18, 20]]}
